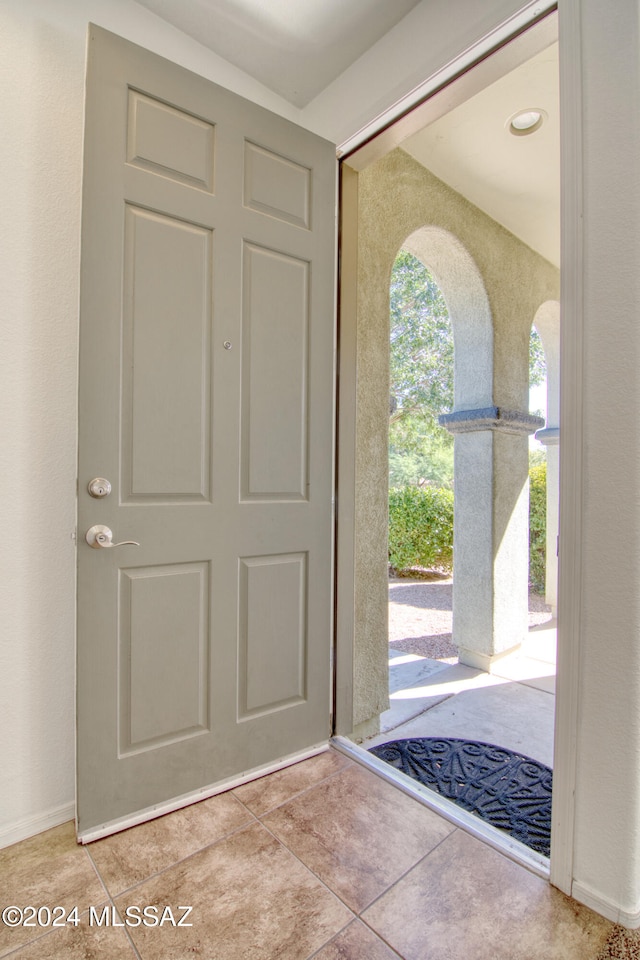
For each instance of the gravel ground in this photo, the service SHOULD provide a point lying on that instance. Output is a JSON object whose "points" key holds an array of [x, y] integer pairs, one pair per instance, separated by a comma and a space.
{"points": [[420, 616], [621, 945]]}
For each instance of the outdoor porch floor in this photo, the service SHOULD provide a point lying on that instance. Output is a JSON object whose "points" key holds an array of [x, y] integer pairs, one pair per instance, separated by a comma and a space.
{"points": [[512, 707]]}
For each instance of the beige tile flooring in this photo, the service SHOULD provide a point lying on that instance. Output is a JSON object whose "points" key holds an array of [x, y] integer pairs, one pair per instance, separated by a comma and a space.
{"points": [[323, 859]]}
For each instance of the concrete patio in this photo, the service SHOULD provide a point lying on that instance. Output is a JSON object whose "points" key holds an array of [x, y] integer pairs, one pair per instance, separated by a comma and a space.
{"points": [[512, 707]]}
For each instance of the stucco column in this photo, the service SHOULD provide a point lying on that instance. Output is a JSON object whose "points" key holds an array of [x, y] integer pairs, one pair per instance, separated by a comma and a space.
{"points": [[491, 524], [550, 437]]}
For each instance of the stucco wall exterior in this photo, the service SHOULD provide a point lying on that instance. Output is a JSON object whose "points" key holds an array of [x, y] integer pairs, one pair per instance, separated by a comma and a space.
{"points": [[396, 198]]}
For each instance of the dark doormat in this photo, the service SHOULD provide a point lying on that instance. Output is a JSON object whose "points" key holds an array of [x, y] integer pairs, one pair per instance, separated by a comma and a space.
{"points": [[506, 789]]}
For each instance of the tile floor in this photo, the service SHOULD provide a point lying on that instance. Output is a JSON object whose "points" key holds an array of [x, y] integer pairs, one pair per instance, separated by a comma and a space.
{"points": [[323, 859]]}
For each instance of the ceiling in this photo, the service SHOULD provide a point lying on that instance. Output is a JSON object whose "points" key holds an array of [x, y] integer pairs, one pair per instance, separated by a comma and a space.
{"points": [[294, 47], [515, 179], [298, 48]]}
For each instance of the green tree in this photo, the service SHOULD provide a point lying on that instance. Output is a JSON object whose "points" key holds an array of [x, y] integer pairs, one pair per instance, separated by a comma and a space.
{"points": [[421, 343], [421, 368], [418, 457], [537, 362]]}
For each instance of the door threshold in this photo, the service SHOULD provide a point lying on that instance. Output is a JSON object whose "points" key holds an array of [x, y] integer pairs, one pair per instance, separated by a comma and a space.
{"points": [[170, 806], [502, 842]]}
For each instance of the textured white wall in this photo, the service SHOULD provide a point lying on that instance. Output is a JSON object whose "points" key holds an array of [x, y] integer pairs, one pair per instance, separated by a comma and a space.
{"points": [[607, 851]]}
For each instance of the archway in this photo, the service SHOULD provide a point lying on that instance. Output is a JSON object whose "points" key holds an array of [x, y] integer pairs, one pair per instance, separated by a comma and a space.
{"points": [[462, 286], [490, 596]]}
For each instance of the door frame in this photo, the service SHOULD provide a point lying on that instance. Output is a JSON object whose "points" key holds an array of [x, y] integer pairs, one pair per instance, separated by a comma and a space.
{"points": [[436, 96]]}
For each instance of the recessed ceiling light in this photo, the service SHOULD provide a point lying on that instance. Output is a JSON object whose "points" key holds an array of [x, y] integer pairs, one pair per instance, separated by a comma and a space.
{"points": [[526, 121]]}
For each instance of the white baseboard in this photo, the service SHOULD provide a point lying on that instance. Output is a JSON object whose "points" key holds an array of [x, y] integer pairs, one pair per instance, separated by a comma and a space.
{"points": [[603, 906], [30, 826]]}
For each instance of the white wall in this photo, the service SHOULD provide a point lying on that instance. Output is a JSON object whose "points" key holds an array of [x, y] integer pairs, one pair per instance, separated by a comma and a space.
{"points": [[607, 836]]}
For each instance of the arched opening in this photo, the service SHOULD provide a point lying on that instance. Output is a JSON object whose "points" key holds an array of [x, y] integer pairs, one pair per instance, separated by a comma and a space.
{"points": [[432, 272], [441, 360], [493, 284], [421, 378], [457, 275], [421, 467]]}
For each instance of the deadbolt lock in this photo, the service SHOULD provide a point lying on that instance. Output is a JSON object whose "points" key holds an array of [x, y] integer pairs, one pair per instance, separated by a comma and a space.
{"points": [[99, 488]]}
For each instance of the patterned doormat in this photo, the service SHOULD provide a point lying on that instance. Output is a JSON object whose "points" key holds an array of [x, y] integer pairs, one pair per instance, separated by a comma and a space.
{"points": [[506, 789]]}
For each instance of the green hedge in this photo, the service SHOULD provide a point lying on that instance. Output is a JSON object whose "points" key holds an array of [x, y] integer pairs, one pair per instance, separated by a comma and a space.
{"points": [[537, 525], [420, 528]]}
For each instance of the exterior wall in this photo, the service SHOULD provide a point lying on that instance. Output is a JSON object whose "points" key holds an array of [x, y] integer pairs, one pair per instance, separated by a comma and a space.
{"points": [[397, 197]]}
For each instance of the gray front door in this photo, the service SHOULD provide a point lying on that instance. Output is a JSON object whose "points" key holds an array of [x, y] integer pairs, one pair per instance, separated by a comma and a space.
{"points": [[206, 400]]}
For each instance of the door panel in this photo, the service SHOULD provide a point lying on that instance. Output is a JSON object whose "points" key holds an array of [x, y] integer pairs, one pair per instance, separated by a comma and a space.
{"points": [[163, 689], [206, 398], [166, 403], [275, 365], [277, 186], [170, 142], [273, 601]]}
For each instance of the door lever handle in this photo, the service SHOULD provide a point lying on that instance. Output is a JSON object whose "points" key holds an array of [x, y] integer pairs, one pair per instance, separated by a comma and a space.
{"points": [[101, 538]]}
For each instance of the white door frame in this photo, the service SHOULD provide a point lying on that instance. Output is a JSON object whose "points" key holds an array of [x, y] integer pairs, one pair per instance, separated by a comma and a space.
{"points": [[379, 137]]}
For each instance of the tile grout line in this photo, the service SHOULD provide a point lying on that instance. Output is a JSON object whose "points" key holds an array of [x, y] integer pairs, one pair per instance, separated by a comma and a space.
{"points": [[175, 863], [29, 943], [355, 916], [129, 937], [49, 932], [300, 793], [111, 901], [402, 876], [336, 935], [255, 818], [96, 871], [325, 884]]}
